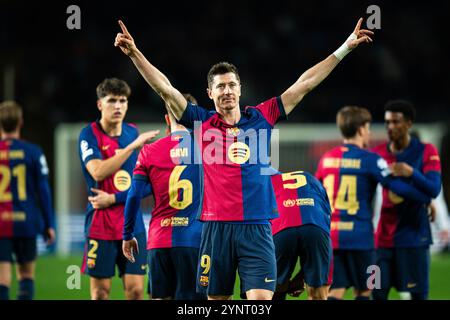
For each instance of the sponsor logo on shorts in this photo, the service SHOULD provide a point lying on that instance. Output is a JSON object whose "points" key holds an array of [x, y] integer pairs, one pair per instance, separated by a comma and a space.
{"points": [[268, 280], [143, 267]]}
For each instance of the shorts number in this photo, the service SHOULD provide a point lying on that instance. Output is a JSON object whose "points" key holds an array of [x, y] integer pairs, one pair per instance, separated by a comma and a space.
{"points": [[19, 172], [92, 251], [346, 197], [175, 184], [205, 262], [300, 180]]}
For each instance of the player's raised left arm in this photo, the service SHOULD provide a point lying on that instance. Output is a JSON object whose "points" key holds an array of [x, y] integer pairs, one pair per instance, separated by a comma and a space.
{"points": [[312, 77]]}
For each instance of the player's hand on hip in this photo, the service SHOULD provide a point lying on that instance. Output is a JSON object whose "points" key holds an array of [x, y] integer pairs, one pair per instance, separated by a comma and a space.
{"points": [[102, 199], [125, 41], [129, 247], [49, 236], [144, 138], [362, 35]]}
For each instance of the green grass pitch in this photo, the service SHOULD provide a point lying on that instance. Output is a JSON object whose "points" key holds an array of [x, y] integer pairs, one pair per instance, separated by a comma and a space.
{"points": [[52, 276]]}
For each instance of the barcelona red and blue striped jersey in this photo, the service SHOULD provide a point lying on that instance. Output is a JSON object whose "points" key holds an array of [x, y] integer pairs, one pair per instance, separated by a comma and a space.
{"points": [[176, 181], [405, 223], [234, 159], [301, 200], [25, 197], [350, 175], [95, 143]]}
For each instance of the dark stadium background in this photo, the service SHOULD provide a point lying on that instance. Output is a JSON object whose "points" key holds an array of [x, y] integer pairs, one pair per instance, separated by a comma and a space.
{"points": [[56, 70]]}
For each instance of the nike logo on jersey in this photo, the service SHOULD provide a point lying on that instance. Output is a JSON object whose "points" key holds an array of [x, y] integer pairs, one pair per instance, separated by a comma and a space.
{"points": [[105, 147], [269, 280], [411, 285]]}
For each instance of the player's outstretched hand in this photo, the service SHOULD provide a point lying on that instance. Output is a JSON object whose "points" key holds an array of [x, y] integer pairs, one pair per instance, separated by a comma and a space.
{"points": [[143, 139], [49, 236], [362, 35], [129, 247], [102, 199], [125, 41]]}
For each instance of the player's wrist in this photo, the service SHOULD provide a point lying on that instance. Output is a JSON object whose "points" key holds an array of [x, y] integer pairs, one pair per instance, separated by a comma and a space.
{"points": [[343, 50]]}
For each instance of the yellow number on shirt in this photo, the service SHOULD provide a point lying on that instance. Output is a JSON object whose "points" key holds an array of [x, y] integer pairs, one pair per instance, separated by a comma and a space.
{"points": [[19, 172], [205, 262], [346, 197], [300, 180], [175, 184]]}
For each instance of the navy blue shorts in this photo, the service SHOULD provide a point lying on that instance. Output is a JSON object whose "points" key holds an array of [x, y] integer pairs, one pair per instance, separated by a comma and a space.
{"points": [[227, 247], [172, 273], [406, 269], [21, 250], [313, 246], [350, 268], [102, 256]]}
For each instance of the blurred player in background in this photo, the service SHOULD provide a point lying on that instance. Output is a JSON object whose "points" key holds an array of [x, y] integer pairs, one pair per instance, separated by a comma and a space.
{"points": [[302, 231], [168, 167], [25, 203], [108, 153], [350, 175], [239, 200], [403, 235]]}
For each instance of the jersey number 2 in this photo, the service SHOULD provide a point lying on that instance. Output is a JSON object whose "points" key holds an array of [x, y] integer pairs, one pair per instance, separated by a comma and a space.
{"points": [[19, 172], [175, 185]]}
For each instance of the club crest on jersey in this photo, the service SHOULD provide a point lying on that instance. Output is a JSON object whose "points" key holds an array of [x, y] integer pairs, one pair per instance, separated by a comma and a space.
{"points": [[238, 153], [122, 180], [233, 131]]}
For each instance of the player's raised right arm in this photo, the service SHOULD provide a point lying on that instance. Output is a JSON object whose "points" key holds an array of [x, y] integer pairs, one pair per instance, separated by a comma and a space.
{"points": [[155, 78]]}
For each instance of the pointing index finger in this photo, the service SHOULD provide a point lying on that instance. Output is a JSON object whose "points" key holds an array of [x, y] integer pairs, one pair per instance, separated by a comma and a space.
{"points": [[358, 25], [124, 29]]}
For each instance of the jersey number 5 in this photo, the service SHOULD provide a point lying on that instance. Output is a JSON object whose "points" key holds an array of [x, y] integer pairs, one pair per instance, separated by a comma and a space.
{"points": [[346, 197], [176, 185], [19, 172]]}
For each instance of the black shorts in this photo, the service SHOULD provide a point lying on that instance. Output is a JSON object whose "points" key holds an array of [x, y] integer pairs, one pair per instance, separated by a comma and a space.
{"points": [[21, 250]]}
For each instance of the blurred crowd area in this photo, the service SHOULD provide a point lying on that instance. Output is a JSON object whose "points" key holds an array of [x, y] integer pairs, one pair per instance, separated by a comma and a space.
{"points": [[55, 70]]}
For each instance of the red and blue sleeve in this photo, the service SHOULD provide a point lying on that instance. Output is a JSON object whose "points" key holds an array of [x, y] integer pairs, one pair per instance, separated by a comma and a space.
{"points": [[88, 145], [272, 110], [430, 180]]}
